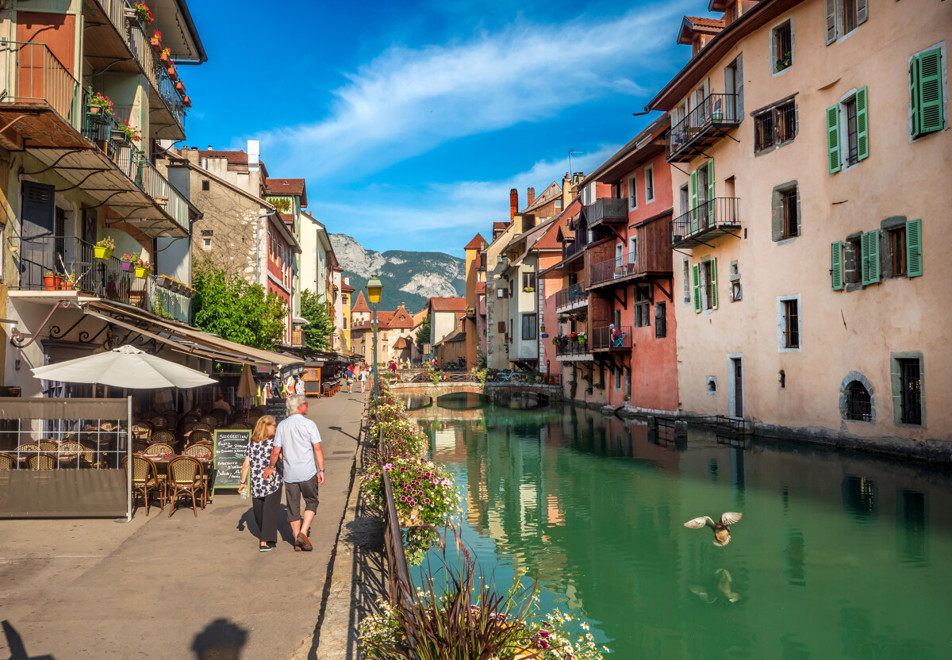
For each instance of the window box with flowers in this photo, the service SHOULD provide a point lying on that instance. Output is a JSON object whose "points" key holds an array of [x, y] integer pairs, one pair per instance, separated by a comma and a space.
{"points": [[103, 248], [126, 132], [141, 13], [166, 56], [100, 104], [180, 88], [528, 289], [186, 101], [172, 72], [142, 268], [155, 41], [128, 260]]}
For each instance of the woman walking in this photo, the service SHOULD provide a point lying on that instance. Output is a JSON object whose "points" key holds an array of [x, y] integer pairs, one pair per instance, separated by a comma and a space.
{"points": [[363, 380], [265, 493]]}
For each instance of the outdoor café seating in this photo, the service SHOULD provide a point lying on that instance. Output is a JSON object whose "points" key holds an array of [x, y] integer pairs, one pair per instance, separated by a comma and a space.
{"points": [[8, 462], [145, 481], [41, 462], [187, 479], [159, 449]]}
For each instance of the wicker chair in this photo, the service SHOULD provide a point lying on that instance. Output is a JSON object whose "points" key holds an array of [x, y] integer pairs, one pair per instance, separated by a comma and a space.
{"points": [[166, 437], [70, 453], [198, 451], [198, 435], [142, 430], [161, 422], [48, 445], [159, 449], [8, 462], [28, 448], [186, 477], [211, 421], [202, 426], [145, 479], [41, 462]]}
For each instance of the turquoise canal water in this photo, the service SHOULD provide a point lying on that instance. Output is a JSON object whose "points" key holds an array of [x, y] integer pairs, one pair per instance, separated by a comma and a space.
{"points": [[837, 556]]}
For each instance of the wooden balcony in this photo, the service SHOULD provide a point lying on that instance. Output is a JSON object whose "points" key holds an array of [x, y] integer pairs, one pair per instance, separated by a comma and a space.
{"points": [[706, 222], [608, 210], [704, 125], [611, 339], [571, 298]]}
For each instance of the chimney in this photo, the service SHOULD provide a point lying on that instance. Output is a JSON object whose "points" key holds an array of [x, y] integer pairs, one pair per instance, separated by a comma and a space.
{"points": [[210, 148], [254, 149], [530, 197], [347, 280], [513, 203], [566, 191]]}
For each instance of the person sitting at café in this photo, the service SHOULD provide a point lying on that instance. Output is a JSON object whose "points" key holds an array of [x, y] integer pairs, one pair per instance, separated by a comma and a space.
{"points": [[221, 404]]}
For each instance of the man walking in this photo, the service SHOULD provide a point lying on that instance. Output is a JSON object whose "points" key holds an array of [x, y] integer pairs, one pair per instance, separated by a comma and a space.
{"points": [[298, 442]]}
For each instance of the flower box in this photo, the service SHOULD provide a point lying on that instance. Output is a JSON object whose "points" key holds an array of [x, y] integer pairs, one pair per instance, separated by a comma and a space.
{"points": [[173, 74], [156, 45], [142, 271], [126, 266], [165, 58], [180, 87], [186, 101], [102, 252]]}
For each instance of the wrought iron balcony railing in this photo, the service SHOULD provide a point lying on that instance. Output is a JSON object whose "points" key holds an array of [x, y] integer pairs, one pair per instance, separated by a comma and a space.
{"points": [[32, 74], [706, 221], [609, 270], [571, 296], [567, 346], [701, 126], [611, 339]]}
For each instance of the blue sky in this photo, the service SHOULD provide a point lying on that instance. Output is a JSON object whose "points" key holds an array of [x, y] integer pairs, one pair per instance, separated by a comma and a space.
{"points": [[411, 121]]}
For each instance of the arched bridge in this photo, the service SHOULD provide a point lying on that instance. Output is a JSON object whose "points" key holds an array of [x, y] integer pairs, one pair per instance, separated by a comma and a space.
{"points": [[495, 392]]}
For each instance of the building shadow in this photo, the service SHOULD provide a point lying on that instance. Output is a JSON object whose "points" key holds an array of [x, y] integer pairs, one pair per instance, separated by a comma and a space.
{"points": [[220, 640], [16, 646]]}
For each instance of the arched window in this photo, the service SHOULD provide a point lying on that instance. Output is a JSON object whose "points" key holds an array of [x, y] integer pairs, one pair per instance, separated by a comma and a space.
{"points": [[858, 404]]}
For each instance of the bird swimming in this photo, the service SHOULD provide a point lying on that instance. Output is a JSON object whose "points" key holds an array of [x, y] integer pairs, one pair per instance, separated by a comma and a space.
{"points": [[722, 534]]}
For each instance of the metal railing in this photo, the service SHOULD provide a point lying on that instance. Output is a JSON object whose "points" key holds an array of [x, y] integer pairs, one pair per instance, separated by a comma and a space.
{"points": [[614, 269], [574, 294], [32, 74], [399, 583], [714, 213], [714, 110], [567, 346], [611, 339], [607, 209]]}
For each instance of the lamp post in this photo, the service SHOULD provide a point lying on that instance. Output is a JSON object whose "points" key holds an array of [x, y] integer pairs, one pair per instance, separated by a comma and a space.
{"points": [[374, 287]]}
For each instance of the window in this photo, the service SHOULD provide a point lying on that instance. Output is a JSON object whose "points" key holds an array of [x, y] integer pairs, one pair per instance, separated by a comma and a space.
{"points": [[704, 277], [345, 323], [528, 282], [500, 293], [632, 192], [775, 126], [617, 371], [619, 254], [686, 278], [661, 320], [843, 16], [858, 403], [847, 131], [206, 244], [906, 376], [902, 247], [617, 318], [649, 184], [788, 310], [785, 217], [734, 88], [927, 98], [781, 47], [206, 184], [897, 247], [633, 250], [642, 307], [685, 199], [528, 326]]}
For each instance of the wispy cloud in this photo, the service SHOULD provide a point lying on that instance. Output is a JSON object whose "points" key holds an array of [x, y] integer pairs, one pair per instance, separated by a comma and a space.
{"points": [[409, 101]]}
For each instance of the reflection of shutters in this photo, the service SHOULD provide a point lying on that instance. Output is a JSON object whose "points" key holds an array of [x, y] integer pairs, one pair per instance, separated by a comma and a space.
{"points": [[836, 265], [914, 248], [37, 209], [833, 137], [862, 128]]}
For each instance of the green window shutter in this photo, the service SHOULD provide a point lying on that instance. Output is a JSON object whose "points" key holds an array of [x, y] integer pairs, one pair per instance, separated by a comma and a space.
{"points": [[864, 258], [710, 188], [873, 253], [914, 95], [713, 263], [914, 248], [930, 92], [836, 265], [694, 201], [833, 137], [862, 125], [696, 278]]}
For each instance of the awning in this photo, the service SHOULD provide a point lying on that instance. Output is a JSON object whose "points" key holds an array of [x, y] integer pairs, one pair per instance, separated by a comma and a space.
{"points": [[186, 339]]}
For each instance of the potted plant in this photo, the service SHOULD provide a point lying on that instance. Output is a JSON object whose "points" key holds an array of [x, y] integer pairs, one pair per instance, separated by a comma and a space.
{"points": [[528, 289], [172, 72], [166, 56], [186, 101], [100, 104], [142, 268], [128, 260], [143, 13], [49, 280], [156, 41], [104, 247], [127, 132], [180, 88]]}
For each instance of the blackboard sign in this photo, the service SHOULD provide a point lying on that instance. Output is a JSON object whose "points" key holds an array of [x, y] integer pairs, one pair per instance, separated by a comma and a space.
{"points": [[230, 446], [277, 409]]}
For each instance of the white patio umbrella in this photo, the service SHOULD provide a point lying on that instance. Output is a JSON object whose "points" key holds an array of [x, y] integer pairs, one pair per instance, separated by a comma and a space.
{"points": [[125, 366]]}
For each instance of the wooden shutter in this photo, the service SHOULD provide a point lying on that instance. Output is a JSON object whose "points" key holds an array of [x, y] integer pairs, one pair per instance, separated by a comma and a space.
{"points": [[710, 192], [833, 137], [501, 327], [862, 12], [930, 91], [830, 21], [914, 94], [739, 82], [694, 201], [862, 125], [864, 258], [36, 210], [872, 251], [836, 265], [661, 321], [696, 278], [776, 216], [914, 248], [713, 263]]}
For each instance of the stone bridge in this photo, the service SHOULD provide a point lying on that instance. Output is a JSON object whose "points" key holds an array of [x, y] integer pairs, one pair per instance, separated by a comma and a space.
{"points": [[495, 392]]}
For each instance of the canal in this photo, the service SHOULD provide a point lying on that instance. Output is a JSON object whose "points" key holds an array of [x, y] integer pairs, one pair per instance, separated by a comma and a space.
{"points": [[838, 555]]}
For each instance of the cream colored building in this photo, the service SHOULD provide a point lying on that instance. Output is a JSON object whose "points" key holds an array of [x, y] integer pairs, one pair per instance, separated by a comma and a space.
{"points": [[810, 278]]}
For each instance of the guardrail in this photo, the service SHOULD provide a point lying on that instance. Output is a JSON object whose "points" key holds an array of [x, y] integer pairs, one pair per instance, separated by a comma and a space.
{"points": [[569, 296], [33, 74], [714, 110], [613, 269], [712, 214], [608, 338], [568, 346]]}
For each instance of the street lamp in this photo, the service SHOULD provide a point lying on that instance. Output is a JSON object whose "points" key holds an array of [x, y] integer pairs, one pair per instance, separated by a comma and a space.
{"points": [[374, 287]]}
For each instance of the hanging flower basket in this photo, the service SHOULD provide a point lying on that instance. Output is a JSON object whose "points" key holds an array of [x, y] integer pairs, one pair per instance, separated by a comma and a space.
{"points": [[166, 56], [142, 271], [173, 74], [186, 101], [102, 252], [180, 87], [127, 266]]}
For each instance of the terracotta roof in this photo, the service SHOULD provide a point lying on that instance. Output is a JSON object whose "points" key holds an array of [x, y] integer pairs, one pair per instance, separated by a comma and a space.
{"points": [[401, 344], [287, 187], [360, 305], [500, 225], [698, 24], [447, 304], [477, 243], [346, 288], [233, 157], [401, 318], [701, 22]]}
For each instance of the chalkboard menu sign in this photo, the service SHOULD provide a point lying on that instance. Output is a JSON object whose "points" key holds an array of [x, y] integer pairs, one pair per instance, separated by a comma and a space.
{"points": [[230, 446], [277, 409]]}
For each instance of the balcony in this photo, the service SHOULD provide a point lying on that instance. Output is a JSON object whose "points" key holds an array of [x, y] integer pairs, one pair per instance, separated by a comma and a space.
{"points": [[104, 278], [704, 223], [614, 270], [571, 298], [609, 210], [571, 249], [117, 36], [46, 113], [568, 348], [611, 339], [704, 125]]}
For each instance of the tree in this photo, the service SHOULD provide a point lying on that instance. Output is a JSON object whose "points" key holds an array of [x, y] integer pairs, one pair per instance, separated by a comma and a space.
{"points": [[423, 334], [235, 309], [317, 312]]}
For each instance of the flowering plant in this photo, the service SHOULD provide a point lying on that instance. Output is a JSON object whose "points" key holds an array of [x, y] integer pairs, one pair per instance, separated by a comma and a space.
{"points": [[129, 131], [134, 257], [157, 36], [142, 263], [107, 242], [100, 100], [143, 13], [167, 53]]}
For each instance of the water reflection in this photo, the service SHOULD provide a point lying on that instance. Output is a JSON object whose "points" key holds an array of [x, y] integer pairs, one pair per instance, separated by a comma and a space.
{"points": [[592, 506]]}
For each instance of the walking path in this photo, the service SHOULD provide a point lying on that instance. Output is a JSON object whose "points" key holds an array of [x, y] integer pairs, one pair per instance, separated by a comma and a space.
{"points": [[182, 587]]}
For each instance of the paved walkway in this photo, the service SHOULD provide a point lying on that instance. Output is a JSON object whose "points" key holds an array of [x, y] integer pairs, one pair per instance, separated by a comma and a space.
{"points": [[179, 587]]}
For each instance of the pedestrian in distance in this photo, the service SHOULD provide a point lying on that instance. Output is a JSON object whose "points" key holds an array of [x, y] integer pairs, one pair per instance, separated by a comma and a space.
{"points": [[363, 380], [297, 443], [350, 379], [265, 493]]}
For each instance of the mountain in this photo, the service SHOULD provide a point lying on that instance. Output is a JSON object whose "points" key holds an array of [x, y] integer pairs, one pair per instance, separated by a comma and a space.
{"points": [[408, 277]]}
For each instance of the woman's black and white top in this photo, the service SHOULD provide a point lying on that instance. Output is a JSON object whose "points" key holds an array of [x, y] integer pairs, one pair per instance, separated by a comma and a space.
{"points": [[259, 457]]}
